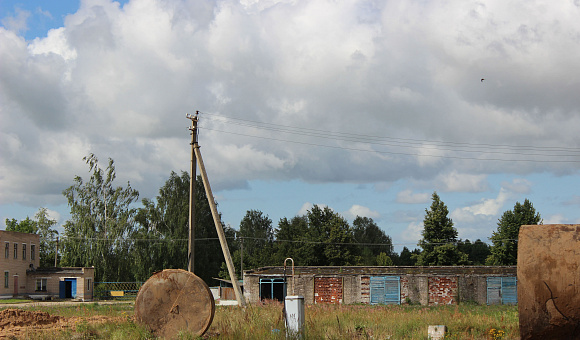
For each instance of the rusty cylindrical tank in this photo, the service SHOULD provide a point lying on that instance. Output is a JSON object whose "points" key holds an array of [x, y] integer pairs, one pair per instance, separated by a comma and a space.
{"points": [[549, 281], [175, 300]]}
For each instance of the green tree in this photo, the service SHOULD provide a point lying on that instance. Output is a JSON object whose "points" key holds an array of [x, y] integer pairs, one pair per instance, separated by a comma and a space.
{"points": [[25, 226], [439, 238], [101, 220], [373, 240], [291, 237], [332, 239], [47, 237], [163, 224], [384, 260], [504, 250], [407, 257], [257, 238], [477, 251]]}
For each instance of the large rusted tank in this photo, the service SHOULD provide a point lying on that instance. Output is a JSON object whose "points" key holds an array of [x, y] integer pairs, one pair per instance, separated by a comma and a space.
{"points": [[549, 281], [175, 300]]}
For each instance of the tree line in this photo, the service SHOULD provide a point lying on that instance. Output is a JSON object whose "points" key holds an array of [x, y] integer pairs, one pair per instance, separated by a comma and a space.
{"points": [[127, 242]]}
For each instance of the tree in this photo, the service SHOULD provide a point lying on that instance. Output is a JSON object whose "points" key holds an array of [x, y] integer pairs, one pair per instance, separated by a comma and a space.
{"points": [[439, 238], [332, 239], [25, 226], [477, 251], [163, 224], [41, 225], [47, 237], [384, 260], [257, 237], [504, 250], [407, 257], [290, 236], [373, 240], [101, 220]]}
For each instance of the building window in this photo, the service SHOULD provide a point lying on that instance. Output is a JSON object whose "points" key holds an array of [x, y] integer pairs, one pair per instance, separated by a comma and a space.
{"points": [[41, 285], [15, 251], [89, 285], [32, 246], [24, 251], [7, 250], [6, 280]]}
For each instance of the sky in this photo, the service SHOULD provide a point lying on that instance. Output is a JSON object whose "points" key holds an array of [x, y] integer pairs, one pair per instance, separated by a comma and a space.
{"points": [[367, 107]]}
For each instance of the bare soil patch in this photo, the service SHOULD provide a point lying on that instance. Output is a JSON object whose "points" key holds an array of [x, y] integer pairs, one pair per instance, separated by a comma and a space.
{"points": [[16, 323]]}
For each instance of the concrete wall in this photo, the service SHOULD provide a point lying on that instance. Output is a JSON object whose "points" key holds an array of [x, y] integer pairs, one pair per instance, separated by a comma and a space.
{"points": [[15, 264]]}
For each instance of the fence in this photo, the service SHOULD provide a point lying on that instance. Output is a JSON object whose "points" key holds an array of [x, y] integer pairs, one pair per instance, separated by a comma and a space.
{"points": [[117, 290]]}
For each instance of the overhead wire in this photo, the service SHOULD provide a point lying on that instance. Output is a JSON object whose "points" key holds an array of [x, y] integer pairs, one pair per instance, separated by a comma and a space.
{"points": [[459, 147]]}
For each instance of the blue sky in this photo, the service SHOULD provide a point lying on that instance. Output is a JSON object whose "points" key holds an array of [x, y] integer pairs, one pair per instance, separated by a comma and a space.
{"points": [[361, 106]]}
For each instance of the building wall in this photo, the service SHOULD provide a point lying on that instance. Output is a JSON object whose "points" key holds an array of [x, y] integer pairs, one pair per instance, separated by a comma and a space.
{"points": [[328, 290], [84, 289], [19, 264], [442, 290], [418, 285]]}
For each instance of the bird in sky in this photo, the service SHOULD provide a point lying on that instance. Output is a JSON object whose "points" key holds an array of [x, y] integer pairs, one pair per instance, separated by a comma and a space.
{"points": [[482, 79]]}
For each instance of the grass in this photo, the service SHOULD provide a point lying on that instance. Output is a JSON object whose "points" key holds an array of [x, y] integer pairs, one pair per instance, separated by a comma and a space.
{"points": [[10, 301], [266, 321]]}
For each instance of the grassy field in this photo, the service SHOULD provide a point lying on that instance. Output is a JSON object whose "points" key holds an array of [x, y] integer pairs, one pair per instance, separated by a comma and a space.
{"points": [[96, 321]]}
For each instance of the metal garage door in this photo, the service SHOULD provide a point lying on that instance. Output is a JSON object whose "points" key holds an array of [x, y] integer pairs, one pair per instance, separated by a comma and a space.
{"points": [[385, 289], [502, 290]]}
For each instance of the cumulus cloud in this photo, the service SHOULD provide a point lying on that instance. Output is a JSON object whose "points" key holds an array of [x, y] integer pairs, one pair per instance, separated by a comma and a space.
{"points": [[408, 197], [455, 182], [359, 210], [412, 233], [392, 88]]}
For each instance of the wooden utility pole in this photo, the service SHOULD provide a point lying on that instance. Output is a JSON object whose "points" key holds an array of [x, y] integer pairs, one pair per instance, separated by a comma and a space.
{"points": [[220, 229], [192, 180]]}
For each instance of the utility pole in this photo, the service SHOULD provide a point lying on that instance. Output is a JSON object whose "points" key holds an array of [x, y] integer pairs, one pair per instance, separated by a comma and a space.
{"points": [[220, 230], [56, 253], [192, 180]]}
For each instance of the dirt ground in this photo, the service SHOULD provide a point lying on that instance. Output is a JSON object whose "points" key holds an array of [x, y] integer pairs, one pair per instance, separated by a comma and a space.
{"points": [[17, 323]]}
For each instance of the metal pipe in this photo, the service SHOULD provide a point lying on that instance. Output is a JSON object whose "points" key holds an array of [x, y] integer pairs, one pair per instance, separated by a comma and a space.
{"points": [[289, 258]]}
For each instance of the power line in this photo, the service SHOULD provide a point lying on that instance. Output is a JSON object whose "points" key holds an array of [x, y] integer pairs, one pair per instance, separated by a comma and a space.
{"points": [[508, 150], [370, 138]]}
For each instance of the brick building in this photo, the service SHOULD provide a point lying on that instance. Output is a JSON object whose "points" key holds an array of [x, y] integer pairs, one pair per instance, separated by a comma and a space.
{"points": [[21, 276], [385, 285]]}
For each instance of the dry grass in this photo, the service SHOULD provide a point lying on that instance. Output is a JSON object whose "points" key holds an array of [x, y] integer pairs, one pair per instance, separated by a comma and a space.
{"points": [[367, 322], [265, 321]]}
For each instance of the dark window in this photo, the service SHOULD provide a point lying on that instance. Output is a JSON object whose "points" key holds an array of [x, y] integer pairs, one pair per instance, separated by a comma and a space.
{"points": [[6, 281], [7, 250], [15, 250], [41, 285], [24, 251], [272, 289], [32, 246]]}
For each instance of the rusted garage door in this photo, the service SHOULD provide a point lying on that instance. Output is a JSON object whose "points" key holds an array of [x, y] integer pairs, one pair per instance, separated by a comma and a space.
{"points": [[327, 290]]}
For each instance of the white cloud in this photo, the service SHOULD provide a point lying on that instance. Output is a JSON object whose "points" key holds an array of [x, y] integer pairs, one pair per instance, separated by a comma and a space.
{"points": [[412, 233], [359, 210], [17, 23], [117, 81], [455, 181], [304, 209], [518, 185], [408, 197]]}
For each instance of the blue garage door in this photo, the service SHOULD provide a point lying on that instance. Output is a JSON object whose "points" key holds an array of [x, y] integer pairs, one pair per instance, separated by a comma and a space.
{"points": [[502, 290], [385, 290]]}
